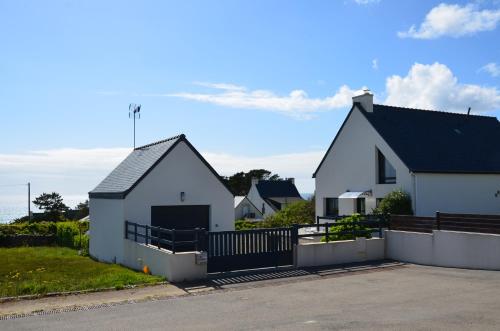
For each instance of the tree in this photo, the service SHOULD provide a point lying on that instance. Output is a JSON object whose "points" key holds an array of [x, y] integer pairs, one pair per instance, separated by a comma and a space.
{"points": [[52, 204], [397, 202], [82, 209], [240, 182]]}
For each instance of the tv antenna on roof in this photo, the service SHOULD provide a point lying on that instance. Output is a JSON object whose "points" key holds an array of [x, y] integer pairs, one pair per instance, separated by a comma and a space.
{"points": [[135, 112]]}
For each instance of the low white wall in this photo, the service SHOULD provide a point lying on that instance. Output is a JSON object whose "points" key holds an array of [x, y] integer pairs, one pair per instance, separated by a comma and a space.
{"points": [[445, 249], [339, 252], [176, 267]]}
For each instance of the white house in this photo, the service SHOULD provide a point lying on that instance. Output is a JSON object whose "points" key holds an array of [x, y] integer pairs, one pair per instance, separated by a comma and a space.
{"points": [[447, 162], [166, 184], [244, 208], [269, 196]]}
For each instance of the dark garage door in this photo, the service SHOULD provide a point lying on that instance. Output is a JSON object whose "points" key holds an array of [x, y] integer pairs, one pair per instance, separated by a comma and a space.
{"points": [[180, 218]]}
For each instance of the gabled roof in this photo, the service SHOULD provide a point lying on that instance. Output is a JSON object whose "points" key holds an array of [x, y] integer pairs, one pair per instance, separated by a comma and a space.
{"points": [[436, 142], [273, 204], [439, 142], [137, 165], [238, 199], [277, 189]]}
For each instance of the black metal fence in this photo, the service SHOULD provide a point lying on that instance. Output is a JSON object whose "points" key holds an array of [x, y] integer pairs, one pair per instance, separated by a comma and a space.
{"points": [[338, 229], [171, 239]]}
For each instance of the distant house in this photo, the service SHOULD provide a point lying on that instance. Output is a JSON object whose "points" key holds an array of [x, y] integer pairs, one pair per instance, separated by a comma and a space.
{"points": [[446, 161], [270, 196], [244, 208], [166, 184]]}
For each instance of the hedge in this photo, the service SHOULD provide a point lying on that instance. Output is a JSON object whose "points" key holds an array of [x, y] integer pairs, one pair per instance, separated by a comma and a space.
{"points": [[65, 234]]}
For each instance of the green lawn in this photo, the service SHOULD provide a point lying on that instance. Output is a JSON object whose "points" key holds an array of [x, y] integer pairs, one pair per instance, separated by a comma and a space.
{"points": [[38, 270]]}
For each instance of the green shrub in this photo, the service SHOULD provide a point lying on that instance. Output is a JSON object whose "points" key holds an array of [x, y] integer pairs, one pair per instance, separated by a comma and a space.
{"points": [[346, 229], [247, 225], [65, 232], [41, 229], [397, 202], [82, 245], [299, 212]]}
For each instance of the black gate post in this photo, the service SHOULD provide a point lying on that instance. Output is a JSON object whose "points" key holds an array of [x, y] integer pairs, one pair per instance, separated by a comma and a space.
{"points": [[295, 234]]}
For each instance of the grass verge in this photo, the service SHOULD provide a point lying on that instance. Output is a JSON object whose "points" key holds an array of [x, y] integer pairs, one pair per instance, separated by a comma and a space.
{"points": [[41, 270]]}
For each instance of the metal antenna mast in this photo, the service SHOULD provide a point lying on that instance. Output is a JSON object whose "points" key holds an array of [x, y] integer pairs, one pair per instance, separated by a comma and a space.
{"points": [[134, 111]]}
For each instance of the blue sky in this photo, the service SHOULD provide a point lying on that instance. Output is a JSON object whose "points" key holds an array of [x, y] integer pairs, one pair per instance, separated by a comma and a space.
{"points": [[254, 83]]}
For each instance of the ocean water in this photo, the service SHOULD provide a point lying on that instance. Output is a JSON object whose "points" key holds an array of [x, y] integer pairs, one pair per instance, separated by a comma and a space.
{"points": [[15, 207], [11, 212], [12, 207]]}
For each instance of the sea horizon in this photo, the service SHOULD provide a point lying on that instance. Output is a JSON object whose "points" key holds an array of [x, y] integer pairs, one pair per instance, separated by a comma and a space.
{"points": [[15, 207]]}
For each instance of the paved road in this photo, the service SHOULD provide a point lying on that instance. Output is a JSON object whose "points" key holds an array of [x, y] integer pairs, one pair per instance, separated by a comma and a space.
{"points": [[412, 297]]}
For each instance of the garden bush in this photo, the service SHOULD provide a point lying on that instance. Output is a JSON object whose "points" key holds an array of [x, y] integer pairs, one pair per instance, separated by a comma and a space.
{"points": [[397, 202], [64, 232], [300, 212], [347, 229], [247, 225]]}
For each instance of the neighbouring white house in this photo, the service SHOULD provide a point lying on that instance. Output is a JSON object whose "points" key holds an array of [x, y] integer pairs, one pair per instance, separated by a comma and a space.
{"points": [[245, 209], [447, 162], [270, 196], [167, 184]]}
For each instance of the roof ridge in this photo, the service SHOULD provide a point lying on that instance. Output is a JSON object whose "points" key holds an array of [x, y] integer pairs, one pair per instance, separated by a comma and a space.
{"points": [[433, 110], [182, 135]]}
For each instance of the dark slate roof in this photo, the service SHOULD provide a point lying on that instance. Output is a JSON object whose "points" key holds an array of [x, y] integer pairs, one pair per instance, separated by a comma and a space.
{"points": [[438, 142], [275, 205], [434, 141], [277, 189], [137, 165]]}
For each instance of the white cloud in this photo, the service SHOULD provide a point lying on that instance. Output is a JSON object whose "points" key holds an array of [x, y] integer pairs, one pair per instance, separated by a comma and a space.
{"points": [[74, 172], [296, 104], [455, 21], [492, 68], [375, 64], [221, 86], [435, 87]]}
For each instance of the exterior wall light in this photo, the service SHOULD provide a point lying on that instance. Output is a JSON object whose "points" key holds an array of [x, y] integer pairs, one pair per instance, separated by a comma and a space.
{"points": [[183, 196]]}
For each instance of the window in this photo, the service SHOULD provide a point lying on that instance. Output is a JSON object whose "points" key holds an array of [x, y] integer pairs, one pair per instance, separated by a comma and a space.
{"points": [[386, 172], [360, 206], [331, 207]]}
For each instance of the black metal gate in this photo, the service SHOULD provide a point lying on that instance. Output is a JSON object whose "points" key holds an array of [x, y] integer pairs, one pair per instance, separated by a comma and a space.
{"points": [[251, 249]]}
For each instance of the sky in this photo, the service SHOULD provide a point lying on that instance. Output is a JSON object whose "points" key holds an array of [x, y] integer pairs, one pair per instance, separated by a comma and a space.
{"points": [[253, 84]]}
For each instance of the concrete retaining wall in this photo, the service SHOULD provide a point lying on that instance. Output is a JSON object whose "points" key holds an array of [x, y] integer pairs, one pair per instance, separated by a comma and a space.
{"points": [[176, 267], [338, 252], [445, 248]]}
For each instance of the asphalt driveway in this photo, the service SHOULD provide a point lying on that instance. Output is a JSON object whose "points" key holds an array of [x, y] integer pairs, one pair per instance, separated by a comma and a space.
{"points": [[409, 297]]}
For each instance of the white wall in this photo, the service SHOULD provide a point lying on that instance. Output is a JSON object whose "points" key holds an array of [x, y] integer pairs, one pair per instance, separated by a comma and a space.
{"points": [[239, 211], [457, 193], [445, 248], [181, 171], [254, 196], [351, 165], [107, 229], [339, 252], [175, 267]]}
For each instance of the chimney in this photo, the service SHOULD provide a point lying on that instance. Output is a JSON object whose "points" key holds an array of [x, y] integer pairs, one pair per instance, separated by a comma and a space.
{"points": [[365, 99], [255, 181], [291, 180]]}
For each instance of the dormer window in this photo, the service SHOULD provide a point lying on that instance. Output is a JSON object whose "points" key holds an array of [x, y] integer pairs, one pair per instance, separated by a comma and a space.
{"points": [[386, 172]]}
